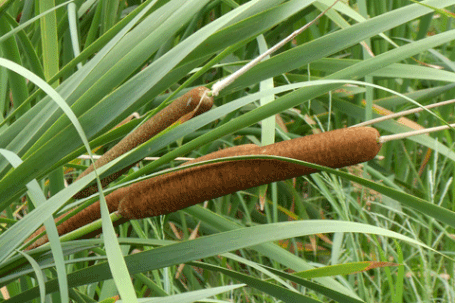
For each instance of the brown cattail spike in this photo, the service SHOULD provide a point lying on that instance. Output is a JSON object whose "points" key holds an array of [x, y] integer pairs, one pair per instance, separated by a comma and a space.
{"points": [[188, 104], [92, 213], [178, 190], [86, 216], [174, 191], [182, 109]]}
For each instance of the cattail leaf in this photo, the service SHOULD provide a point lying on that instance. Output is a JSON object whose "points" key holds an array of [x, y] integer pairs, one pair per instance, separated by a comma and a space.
{"points": [[330, 44], [37, 197], [39, 275], [24, 25], [193, 296], [396, 70], [342, 269], [215, 244], [297, 278], [279, 292], [114, 256]]}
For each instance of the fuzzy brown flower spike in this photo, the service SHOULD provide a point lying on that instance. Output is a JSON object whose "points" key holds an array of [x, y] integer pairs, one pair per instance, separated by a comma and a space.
{"points": [[183, 108], [174, 191], [84, 217]]}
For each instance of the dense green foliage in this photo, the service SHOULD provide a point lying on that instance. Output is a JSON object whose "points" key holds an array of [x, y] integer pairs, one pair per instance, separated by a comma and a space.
{"points": [[381, 231]]}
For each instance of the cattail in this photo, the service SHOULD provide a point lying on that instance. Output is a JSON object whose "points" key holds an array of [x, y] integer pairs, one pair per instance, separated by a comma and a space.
{"points": [[174, 191], [184, 107], [93, 213], [84, 217], [181, 110]]}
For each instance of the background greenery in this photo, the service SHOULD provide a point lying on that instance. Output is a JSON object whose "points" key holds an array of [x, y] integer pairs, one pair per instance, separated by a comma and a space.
{"points": [[377, 232]]}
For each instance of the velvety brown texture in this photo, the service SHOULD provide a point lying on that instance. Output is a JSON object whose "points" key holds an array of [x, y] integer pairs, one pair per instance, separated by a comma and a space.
{"points": [[85, 216], [178, 190], [174, 191], [184, 107], [92, 213]]}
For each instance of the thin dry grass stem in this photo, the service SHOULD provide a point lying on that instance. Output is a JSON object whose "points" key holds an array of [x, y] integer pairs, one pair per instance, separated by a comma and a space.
{"points": [[192, 236], [87, 157], [184, 108], [174, 191], [403, 113], [220, 85], [388, 138], [4, 292]]}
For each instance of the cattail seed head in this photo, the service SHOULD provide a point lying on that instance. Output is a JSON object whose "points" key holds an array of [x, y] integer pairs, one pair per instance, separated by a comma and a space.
{"points": [[192, 103], [174, 191], [84, 217]]}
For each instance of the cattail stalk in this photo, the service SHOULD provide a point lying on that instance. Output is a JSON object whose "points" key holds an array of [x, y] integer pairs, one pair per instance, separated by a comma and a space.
{"points": [[390, 115], [398, 136]]}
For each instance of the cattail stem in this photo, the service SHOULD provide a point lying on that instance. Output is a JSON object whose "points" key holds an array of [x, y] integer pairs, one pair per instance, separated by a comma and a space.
{"points": [[403, 113], [86, 157], [388, 138], [220, 85]]}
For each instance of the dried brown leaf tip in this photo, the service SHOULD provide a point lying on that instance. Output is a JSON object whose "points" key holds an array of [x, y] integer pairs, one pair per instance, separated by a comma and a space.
{"points": [[174, 191], [191, 104]]}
